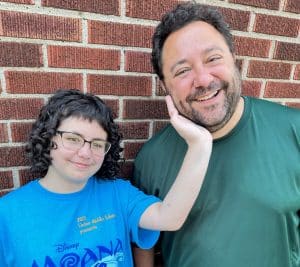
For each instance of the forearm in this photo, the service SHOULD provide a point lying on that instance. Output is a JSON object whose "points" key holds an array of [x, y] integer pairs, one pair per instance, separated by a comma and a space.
{"points": [[143, 258]]}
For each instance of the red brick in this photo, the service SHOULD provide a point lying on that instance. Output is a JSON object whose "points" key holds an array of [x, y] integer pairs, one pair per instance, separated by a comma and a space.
{"points": [[138, 62], [3, 133], [237, 19], [83, 58], [292, 6], [145, 109], [20, 131], [25, 82], [119, 85], [158, 125], [30, 2], [268, 4], [131, 149], [127, 170], [267, 69], [287, 51], [293, 105], [26, 176], [17, 24], [107, 7], [251, 88], [282, 90], [20, 55], [120, 34], [6, 180], [13, 108], [12, 156], [252, 47], [297, 73], [134, 130], [114, 106], [275, 25], [153, 9]]}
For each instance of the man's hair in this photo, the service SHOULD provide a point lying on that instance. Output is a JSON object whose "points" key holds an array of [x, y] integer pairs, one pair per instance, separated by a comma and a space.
{"points": [[180, 16], [72, 103]]}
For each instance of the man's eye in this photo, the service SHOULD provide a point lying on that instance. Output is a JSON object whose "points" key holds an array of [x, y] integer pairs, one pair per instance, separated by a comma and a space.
{"points": [[181, 72], [214, 58]]}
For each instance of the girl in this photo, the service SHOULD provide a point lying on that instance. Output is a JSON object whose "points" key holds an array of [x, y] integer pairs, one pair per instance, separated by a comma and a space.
{"points": [[78, 213]]}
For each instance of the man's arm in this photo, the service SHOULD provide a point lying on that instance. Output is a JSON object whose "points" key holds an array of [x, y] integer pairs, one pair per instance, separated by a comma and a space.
{"points": [[143, 257]]}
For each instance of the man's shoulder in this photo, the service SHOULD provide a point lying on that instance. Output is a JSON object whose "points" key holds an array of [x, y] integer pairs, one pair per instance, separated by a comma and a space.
{"points": [[274, 109]]}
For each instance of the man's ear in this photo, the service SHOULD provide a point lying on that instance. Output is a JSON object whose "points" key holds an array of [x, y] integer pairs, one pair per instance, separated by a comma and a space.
{"points": [[163, 87]]}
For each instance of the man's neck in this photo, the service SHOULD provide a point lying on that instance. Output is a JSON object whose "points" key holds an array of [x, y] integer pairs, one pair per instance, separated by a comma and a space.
{"points": [[232, 122]]}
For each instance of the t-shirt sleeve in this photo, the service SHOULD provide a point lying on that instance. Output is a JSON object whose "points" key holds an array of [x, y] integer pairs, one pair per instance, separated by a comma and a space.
{"points": [[137, 203]]}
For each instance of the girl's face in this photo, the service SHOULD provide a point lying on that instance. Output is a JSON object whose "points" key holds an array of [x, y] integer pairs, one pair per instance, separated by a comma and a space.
{"points": [[71, 168]]}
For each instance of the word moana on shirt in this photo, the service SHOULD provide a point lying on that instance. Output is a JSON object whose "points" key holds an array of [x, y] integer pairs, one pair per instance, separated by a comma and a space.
{"points": [[101, 256]]}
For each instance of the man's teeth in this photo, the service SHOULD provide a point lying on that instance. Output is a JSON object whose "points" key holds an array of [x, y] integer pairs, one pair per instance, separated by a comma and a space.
{"points": [[207, 96]]}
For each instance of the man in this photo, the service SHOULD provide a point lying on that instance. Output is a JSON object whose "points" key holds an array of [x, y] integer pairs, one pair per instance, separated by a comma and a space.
{"points": [[247, 212]]}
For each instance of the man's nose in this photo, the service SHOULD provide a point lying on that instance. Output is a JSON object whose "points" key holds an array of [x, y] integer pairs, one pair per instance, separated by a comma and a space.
{"points": [[202, 76]]}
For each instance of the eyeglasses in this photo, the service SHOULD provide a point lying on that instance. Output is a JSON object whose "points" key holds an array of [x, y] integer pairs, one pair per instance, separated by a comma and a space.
{"points": [[75, 141]]}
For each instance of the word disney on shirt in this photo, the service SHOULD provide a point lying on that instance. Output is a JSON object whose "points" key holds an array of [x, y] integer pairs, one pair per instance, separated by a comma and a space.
{"points": [[72, 255]]}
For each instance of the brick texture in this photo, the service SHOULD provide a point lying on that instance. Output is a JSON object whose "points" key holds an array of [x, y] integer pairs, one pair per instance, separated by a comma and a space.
{"points": [[251, 88], [19, 108], [158, 125], [293, 105], [20, 131], [6, 180], [26, 176], [287, 51], [20, 1], [269, 4], [292, 6], [282, 90], [83, 58], [36, 26], [138, 62], [246, 46], [41, 82], [276, 25], [3, 133], [144, 109], [297, 73], [119, 85], [134, 130], [237, 19], [107, 7], [12, 156], [131, 149], [20, 55], [272, 70], [119, 34], [149, 9]]}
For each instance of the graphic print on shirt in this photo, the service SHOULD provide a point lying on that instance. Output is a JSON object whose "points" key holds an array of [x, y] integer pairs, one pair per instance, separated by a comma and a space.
{"points": [[73, 254]]}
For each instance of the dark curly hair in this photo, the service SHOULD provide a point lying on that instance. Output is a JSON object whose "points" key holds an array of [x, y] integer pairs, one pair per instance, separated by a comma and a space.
{"points": [[180, 16], [72, 103]]}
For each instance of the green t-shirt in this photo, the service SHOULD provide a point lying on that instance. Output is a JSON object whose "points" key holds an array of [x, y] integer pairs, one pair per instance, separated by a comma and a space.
{"points": [[248, 210]]}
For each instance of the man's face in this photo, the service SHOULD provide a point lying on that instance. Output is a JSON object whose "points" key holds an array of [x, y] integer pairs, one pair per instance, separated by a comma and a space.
{"points": [[200, 75]]}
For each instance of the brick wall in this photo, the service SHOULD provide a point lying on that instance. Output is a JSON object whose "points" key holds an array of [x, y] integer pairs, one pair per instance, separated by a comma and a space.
{"points": [[103, 46]]}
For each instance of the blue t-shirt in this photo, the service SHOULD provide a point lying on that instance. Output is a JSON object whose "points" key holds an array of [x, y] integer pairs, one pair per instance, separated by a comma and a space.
{"points": [[93, 227]]}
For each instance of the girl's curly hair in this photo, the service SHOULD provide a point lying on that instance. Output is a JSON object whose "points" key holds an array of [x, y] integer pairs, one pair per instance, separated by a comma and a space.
{"points": [[72, 103]]}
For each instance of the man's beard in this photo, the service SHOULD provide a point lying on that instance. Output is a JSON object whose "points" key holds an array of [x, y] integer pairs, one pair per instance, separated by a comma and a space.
{"points": [[232, 95]]}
